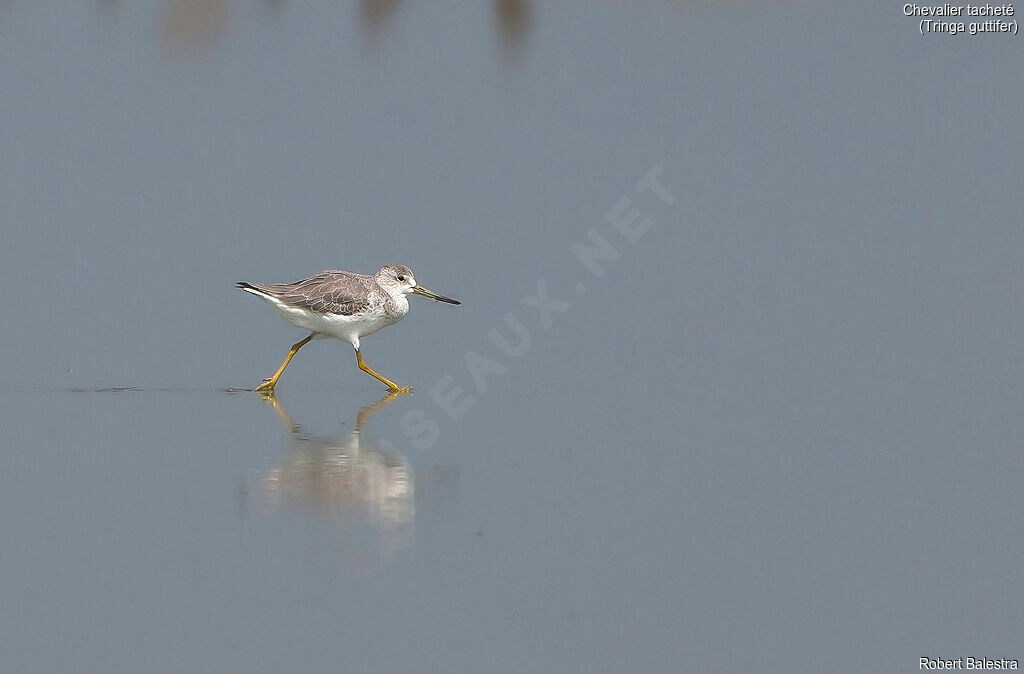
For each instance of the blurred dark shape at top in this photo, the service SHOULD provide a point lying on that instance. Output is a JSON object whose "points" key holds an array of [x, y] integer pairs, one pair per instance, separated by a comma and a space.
{"points": [[376, 13], [513, 22], [191, 24], [512, 18]]}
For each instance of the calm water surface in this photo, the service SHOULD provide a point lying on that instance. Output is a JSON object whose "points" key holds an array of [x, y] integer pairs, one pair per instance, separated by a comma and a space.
{"points": [[767, 418]]}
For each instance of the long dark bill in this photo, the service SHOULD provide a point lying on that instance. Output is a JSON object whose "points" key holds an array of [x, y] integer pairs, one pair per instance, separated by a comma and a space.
{"points": [[420, 290]]}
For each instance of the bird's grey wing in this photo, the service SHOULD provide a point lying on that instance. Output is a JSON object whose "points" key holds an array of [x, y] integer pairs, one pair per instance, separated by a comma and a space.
{"points": [[329, 292]]}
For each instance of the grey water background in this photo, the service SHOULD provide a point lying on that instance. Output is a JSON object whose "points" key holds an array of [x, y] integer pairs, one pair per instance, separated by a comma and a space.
{"points": [[782, 432]]}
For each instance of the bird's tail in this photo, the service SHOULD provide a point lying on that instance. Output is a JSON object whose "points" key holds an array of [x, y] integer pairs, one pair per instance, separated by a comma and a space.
{"points": [[252, 288]]}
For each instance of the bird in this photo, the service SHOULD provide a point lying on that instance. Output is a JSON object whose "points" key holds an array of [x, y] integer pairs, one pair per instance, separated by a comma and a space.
{"points": [[343, 305]]}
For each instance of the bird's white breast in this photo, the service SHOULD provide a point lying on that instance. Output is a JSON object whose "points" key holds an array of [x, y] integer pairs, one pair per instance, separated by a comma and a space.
{"points": [[348, 328]]}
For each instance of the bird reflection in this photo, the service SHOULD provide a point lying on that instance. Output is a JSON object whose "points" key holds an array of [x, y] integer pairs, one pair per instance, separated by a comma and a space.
{"points": [[345, 479]]}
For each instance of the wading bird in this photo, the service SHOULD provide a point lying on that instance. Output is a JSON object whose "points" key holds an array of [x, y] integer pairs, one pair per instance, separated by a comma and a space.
{"points": [[343, 305]]}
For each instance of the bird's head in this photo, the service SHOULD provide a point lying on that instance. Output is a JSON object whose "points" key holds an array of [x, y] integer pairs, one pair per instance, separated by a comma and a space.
{"points": [[399, 278]]}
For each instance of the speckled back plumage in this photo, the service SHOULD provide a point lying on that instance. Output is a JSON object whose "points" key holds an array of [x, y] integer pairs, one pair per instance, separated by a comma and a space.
{"points": [[341, 293]]}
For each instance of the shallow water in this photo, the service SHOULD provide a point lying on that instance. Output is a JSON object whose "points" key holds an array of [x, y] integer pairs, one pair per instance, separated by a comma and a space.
{"points": [[768, 421]]}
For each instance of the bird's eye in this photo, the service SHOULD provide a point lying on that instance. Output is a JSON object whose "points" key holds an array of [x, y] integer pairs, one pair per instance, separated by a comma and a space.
{"points": [[401, 277]]}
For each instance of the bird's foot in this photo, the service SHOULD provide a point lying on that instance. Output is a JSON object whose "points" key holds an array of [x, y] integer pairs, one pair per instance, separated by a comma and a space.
{"points": [[267, 387], [395, 389]]}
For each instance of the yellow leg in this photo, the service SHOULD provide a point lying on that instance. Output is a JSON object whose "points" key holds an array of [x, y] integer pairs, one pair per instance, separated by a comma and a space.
{"points": [[268, 384], [392, 386]]}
